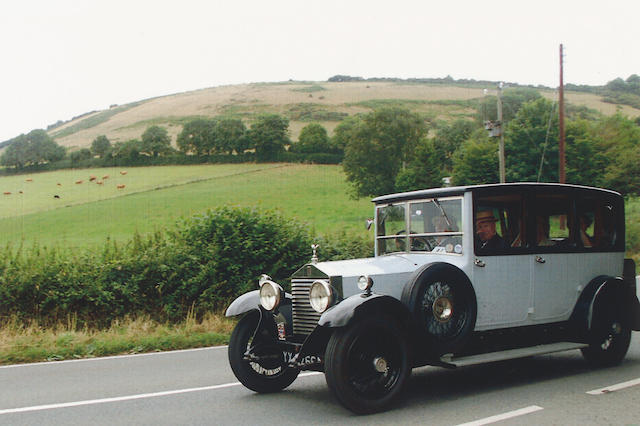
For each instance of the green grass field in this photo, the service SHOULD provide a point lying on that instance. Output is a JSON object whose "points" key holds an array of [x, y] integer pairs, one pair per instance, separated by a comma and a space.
{"points": [[154, 198]]}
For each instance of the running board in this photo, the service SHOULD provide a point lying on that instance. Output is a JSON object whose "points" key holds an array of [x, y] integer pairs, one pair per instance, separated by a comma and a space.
{"points": [[510, 354]]}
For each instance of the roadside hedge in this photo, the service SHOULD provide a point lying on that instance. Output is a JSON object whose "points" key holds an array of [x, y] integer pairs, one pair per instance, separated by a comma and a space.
{"points": [[200, 265]]}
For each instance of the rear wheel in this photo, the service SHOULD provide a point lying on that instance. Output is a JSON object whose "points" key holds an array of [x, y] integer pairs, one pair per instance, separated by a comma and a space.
{"points": [[609, 337], [271, 373], [367, 364]]}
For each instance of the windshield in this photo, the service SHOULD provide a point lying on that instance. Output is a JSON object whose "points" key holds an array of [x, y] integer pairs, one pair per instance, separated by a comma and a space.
{"points": [[434, 226]]}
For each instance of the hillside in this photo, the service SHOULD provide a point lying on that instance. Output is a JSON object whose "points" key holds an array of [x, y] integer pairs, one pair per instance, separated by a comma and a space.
{"points": [[302, 102]]}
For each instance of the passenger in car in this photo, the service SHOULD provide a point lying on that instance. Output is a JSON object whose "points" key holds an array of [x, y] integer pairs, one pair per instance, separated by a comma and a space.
{"points": [[585, 221], [486, 231], [542, 232]]}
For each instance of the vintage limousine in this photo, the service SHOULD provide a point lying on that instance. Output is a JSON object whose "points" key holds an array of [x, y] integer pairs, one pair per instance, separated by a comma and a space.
{"points": [[460, 276]]}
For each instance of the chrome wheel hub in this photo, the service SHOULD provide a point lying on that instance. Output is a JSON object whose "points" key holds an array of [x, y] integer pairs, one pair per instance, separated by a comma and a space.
{"points": [[380, 364], [442, 309]]}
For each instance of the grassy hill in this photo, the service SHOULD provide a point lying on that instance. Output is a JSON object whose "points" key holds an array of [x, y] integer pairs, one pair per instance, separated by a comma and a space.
{"points": [[302, 102], [154, 198]]}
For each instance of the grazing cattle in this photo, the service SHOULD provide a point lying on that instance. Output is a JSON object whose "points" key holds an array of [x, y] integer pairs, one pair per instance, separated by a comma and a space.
{"points": [[105, 177], [59, 184], [123, 172], [92, 178], [56, 196], [99, 182], [7, 193], [78, 182], [121, 186], [20, 192], [29, 180]]}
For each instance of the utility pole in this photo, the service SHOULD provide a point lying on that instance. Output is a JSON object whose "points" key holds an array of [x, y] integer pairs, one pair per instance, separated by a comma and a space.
{"points": [[561, 159], [501, 159], [495, 129]]}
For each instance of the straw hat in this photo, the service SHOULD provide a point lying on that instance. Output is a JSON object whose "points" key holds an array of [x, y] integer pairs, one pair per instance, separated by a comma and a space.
{"points": [[485, 216]]}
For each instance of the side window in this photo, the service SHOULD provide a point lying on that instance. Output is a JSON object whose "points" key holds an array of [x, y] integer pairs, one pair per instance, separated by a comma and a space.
{"points": [[553, 221], [499, 225], [597, 223]]}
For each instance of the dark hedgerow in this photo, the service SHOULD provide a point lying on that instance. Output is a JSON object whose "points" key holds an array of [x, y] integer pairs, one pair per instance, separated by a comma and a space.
{"points": [[200, 266]]}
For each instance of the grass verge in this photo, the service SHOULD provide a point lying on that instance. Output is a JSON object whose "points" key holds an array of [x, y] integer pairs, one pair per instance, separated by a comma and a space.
{"points": [[21, 343]]}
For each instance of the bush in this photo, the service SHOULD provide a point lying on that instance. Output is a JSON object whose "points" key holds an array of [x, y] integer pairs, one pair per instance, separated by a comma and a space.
{"points": [[200, 266]]}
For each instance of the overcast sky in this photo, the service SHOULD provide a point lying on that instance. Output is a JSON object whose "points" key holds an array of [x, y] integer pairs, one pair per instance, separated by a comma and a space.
{"points": [[62, 58]]}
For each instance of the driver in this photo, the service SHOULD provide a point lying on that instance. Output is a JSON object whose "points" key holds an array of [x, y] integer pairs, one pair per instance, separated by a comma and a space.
{"points": [[486, 231]]}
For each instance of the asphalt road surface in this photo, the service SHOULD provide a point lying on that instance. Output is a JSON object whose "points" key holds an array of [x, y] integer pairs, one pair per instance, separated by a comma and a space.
{"points": [[197, 387]]}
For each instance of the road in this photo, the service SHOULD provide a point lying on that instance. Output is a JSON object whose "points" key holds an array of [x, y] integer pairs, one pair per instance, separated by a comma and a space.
{"points": [[197, 387]]}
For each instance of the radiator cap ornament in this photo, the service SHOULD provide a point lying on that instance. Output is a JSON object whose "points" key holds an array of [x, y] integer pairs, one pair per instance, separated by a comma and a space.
{"points": [[314, 258]]}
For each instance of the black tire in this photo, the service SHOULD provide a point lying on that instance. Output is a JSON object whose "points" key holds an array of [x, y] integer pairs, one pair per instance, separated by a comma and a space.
{"points": [[265, 376], [609, 337], [443, 305], [355, 358]]}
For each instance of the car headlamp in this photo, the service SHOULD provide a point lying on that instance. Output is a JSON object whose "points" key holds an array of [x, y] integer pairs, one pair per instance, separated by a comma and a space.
{"points": [[365, 283], [320, 296], [270, 294]]}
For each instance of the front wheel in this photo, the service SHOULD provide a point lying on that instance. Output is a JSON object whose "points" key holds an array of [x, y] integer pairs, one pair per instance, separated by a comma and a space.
{"points": [[271, 374], [367, 364]]}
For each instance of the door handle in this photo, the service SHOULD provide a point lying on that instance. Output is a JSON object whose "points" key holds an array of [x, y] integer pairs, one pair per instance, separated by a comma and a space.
{"points": [[540, 259], [479, 263]]}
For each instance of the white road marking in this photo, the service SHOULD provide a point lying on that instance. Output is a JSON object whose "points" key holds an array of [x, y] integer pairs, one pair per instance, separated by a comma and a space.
{"points": [[505, 416], [126, 397], [66, 361], [614, 388]]}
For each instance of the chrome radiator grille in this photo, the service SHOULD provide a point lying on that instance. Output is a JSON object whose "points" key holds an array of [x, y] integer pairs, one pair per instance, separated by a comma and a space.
{"points": [[305, 319]]}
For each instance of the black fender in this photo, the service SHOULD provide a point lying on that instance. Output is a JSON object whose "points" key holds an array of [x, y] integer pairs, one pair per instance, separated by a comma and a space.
{"points": [[612, 288], [347, 312], [360, 305], [251, 301]]}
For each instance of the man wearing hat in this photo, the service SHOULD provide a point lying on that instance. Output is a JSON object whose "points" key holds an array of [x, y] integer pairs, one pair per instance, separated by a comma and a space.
{"points": [[486, 231]]}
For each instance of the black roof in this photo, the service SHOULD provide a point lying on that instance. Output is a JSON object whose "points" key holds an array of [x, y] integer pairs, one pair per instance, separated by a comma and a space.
{"points": [[459, 190]]}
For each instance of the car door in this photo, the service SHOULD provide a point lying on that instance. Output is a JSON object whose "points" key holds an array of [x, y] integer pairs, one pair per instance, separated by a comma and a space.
{"points": [[554, 287], [501, 271]]}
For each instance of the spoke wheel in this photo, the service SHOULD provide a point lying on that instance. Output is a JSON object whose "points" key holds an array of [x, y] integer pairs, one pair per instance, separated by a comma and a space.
{"points": [[443, 306], [367, 364], [270, 374]]}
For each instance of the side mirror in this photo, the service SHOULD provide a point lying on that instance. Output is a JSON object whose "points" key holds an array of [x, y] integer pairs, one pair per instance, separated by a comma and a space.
{"points": [[369, 224]]}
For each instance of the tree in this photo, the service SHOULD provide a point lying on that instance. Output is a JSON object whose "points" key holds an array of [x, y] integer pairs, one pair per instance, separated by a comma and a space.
{"points": [[378, 147], [36, 147], [130, 149], [230, 134], [584, 158], [342, 133], [531, 138], [100, 146], [424, 170], [269, 135], [476, 161], [155, 141], [313, 138], [449, 137], [197, 136], [79, 155]]}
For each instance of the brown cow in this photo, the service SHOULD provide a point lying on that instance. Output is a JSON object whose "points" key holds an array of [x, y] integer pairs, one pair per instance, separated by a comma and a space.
{"points": [[123, 172], [121, 186], [78, 182]]}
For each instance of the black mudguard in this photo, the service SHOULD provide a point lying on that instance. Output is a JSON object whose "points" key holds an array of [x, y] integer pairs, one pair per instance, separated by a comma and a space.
{"points": [[359, 305], [622, 295], [343, 314], [251, 302]]}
